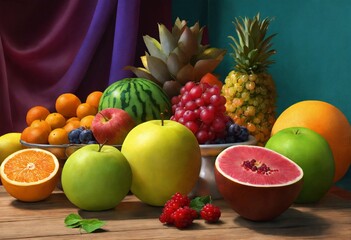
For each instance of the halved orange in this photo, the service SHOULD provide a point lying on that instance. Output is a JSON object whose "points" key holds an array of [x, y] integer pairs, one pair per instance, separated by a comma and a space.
{"points": [[30, 175]]}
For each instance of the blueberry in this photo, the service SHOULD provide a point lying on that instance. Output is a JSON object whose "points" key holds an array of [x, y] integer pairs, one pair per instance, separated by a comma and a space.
{"points": [[229, 122], [234, 129], [244, 134], [85, 136], [73, 135]]}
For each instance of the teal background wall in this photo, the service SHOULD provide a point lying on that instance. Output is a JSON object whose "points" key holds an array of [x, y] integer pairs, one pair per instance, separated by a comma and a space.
{"points": [[313, 45]]}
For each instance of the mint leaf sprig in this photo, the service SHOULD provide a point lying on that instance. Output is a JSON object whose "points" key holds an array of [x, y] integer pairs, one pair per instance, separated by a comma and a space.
{"points": [[89, 225], [199, 202]]}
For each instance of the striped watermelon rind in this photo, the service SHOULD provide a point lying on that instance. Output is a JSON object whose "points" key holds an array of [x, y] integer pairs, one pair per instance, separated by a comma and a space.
{"points": [[142, 99]]}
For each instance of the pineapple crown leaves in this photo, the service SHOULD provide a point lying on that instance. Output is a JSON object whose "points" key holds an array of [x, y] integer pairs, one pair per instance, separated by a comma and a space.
{"points": [[252, 49], [178, 55]]}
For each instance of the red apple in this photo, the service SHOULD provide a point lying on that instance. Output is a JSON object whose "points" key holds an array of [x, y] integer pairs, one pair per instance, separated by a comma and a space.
{"points": [[111, 126]]}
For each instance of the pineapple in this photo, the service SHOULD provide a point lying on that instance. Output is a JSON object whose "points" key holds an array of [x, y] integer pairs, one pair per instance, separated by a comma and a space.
{"points": [[178, 57], [249, 89]]}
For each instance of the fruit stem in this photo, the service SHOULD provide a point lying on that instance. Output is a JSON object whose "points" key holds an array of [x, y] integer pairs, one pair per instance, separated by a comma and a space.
{"points": [[105, 118], [162, 119], [101, 145]]}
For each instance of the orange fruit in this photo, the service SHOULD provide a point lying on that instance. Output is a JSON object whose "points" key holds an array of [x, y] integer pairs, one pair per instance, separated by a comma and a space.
{"points": [[211, 79], [37, 112], [66, 104], [86, 121], [58, 136], [30, 175], [55, 120], [85, 109], [71, 125], [328, 121], [72, 119], [41, 124], [35, 135], [94, 98]]}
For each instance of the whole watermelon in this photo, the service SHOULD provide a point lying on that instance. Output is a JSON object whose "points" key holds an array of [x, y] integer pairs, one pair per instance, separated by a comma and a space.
{"points": [[143, 99]]}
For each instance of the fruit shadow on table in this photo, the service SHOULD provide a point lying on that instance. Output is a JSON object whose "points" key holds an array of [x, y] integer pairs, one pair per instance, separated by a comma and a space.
{"points": [[56, 200], [293, 222], [124, 211]]}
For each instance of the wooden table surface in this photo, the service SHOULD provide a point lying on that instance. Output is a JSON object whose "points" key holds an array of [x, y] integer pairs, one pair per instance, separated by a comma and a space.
{"points": [[328, 219]]}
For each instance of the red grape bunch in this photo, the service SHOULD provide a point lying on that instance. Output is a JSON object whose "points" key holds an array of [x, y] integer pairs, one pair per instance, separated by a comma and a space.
{"points": [[201, 108]]}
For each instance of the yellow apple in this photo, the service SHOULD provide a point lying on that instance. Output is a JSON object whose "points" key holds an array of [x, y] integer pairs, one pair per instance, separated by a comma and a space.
{"points": [[165, 158], [9, 143]]}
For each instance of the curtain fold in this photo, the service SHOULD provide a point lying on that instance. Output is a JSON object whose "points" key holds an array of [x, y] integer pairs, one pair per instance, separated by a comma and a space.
{"points": [[79, 46], [124, 56]]}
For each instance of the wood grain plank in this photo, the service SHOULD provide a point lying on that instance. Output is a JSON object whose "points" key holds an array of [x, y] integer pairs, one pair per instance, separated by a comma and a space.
{"points": [[131, 219]]}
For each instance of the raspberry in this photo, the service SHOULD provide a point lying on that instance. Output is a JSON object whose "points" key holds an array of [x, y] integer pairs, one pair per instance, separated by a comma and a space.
{"points": [[210, 213], [165, 216], [183, 217], [177, 201], [182, 199]]}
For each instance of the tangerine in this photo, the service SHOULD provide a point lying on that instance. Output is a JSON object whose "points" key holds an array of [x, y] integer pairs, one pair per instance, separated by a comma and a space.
{"points": [[71, 125], [66, 104], [72, 119], [328, 121], [37, 135], [85, 109], [37, 112], [86, 121], [30, 175], [58, 136], [41, 124], [94, 98], [55, 120]]}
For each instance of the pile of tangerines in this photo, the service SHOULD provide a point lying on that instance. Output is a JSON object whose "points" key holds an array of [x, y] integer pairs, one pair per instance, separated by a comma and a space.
{"points": [[45, 127]]}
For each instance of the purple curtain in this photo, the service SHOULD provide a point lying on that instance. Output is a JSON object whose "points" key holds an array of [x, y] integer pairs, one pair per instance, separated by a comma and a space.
{"points": [[51, 47]]}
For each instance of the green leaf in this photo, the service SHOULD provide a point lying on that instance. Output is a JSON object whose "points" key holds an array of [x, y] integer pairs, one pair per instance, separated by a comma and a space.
{"points": [[76, 225], [90, 225], [72, 219], [198, 202]]}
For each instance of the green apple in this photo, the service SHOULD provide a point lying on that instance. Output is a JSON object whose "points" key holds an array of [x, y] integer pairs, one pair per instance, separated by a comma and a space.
{"points": [[165, 158], [96, 177], [313, 154], [9, 143]]}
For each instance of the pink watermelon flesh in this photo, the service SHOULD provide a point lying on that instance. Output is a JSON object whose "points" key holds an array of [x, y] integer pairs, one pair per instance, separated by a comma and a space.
{"points": [[283, 170]]}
